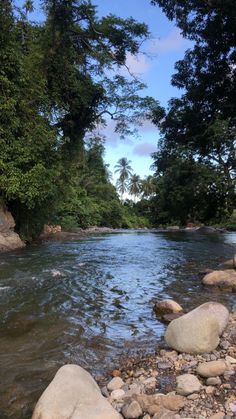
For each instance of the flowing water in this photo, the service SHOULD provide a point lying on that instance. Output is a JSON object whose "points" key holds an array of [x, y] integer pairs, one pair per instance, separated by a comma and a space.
{"points": [[89, 301]]}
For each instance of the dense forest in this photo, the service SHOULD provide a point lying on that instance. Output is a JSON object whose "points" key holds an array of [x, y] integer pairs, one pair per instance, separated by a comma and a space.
{"points": [[59, 79]]}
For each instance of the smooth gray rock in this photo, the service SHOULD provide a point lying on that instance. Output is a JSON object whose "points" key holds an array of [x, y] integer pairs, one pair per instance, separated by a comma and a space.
{"points": [[132, 410], [188, 384], [198, 331], [212, 368], [73, 394]]}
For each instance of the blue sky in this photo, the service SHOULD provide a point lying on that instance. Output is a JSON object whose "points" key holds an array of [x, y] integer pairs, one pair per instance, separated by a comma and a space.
{"points": [[165, 47]]}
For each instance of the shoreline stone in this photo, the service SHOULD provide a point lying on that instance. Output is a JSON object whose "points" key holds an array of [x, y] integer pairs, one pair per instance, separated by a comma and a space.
{"points": [[212, 368], [9, 240], [225, 280], [73, 394], [198, 331], [167, 307], [147, 391]]}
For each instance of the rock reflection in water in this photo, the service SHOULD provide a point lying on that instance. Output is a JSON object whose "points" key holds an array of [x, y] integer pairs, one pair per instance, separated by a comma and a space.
{"points": [[87, 302]]}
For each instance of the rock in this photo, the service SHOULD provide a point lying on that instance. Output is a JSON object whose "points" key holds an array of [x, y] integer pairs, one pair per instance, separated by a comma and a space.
{"points": [[213, 381], [188, 384], [116, 373], [230, 264], [230, 360], [49, 229], [212, 368], [9, 240], [173, 228], [132, 410], [167, 318], [173, 402], [219, 415], [117, 394], [198, 331], [105, 392], [220, 279], [147, 417], [115, 384], [169, 402], [193, 396], [204, 272], [163, 414], [73, 394], [167, 307], [164, 365]]}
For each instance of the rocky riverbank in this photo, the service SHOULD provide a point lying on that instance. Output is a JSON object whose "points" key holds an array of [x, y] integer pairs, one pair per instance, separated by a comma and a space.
{"points": [[173, 385], [57, 234], [9, 240], [194, 376]]}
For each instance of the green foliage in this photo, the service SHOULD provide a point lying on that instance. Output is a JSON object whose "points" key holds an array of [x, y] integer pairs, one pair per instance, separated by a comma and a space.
{"points": [[196, 159], [133, 217], [54, 90], [125, 170]]}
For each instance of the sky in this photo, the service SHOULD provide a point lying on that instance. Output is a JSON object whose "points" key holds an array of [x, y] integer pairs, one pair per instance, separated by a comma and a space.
{"points": [[155, 68]]}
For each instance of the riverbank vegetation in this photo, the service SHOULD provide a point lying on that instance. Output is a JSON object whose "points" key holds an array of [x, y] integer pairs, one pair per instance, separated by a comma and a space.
{"points": [[60, 79]]}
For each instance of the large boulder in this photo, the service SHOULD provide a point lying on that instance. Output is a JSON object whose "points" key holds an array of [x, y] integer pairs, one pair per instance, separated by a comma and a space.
{"points": [[9, 240], [198, 331], [73, 394], [221, 279]]}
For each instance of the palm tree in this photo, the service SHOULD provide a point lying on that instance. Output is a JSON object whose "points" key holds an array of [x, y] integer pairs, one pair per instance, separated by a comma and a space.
{"points": [[135, 186], [125, 171], [148, 186]]}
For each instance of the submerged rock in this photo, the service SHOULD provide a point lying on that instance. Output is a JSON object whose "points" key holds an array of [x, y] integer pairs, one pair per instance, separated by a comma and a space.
{"points": [[229, 264], [73, 394], [198, 331]]}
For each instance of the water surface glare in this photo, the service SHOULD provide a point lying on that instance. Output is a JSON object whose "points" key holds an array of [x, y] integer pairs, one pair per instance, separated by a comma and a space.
{"points": [[89, 301]]}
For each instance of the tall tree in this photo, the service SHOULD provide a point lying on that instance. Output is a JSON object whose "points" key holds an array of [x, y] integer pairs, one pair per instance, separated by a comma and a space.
{"points": [[135, 185], [201, 123], [148, 186], [54, 90], [125, 170]]}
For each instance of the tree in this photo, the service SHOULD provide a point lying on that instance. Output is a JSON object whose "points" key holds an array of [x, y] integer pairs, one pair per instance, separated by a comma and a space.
{"points": [[125, 170], [55, 90], [201, 123], [189, 191], [148, 186], [135, 185]]}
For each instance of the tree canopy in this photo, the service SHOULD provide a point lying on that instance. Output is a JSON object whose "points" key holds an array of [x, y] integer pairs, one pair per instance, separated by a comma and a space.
{"points": [[58, 80], [200, 125]]}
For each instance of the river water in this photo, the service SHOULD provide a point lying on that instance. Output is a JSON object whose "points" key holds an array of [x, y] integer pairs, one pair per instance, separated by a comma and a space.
{"points": [[87, 302]]}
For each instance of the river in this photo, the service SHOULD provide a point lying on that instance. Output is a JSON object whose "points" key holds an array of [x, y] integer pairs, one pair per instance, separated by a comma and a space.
{"points": [[89, 301]]}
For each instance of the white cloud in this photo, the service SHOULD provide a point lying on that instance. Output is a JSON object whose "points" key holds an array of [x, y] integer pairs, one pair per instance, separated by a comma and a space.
{"points": [[144, 149], [173, 42]]}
